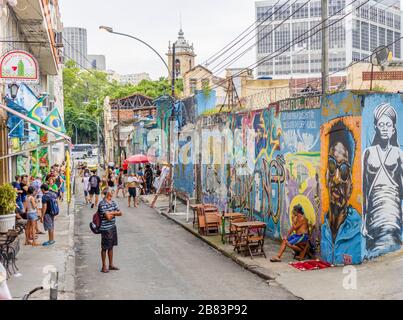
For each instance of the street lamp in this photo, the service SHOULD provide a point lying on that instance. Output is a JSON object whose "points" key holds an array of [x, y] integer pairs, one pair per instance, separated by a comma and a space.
{"points": [[73, 124], [173, 76]]}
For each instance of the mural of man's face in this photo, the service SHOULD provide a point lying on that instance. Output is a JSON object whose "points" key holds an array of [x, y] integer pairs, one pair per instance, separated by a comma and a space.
{"points": [[338, 176]]}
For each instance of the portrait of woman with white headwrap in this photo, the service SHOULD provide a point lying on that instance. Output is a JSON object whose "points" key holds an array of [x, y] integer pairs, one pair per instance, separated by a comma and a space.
{"points": [[383, 185]]}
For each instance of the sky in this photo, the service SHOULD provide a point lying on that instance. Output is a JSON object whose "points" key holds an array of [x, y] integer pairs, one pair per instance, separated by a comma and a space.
{"points": [[208, 24]]}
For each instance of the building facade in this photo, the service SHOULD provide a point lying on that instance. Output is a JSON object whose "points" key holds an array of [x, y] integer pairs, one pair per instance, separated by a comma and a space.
{"points": [[20, 144], [134, 78], [76, 46], [351, 39]]}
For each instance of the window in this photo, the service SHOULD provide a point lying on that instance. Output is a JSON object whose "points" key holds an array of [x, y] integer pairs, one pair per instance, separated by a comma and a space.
{"points": [[282, 37], [265, 39], [364, 36], [381, 16], [335, 7], [337, 34], [300, 13], [389, 40], [356, 34], [397, 52], [373, 14], [381, 36], [264, 13], [300, 63], [205, 83], [193, 85], [283, 65], [364, 11], [300, 32], [389, 19], [281, 13], [356, 56], [316, 63], [316, 9], [373, 37], [315, 38], [337, 61], [397, 22]]}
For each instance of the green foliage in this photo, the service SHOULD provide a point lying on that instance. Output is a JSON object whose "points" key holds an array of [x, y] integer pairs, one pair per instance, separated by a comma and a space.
{"points": [[379, 88], [84, 94], [7, 199]]}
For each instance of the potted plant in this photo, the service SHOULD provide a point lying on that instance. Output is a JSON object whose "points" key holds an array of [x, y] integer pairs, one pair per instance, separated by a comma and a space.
{"points": [[7, 208]]}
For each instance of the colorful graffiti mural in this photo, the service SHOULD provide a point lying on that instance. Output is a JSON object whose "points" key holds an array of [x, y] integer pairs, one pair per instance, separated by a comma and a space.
{"points": [[341, 192], [382, 174]]}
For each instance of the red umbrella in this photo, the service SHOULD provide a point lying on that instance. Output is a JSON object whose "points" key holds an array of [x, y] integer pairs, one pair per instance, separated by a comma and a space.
{"points": [[138, 158]]}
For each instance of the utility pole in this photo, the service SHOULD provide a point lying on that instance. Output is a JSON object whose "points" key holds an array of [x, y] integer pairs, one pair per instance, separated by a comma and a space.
{"points": [[118, 126], [325, 49], [170, 128]]}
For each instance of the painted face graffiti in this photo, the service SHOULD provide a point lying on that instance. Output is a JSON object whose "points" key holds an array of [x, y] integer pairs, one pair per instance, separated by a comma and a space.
{"points": [[339, 176]]}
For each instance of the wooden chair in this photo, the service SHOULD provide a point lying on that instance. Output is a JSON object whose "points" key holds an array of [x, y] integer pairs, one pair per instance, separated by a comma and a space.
{"points": [[256, 242], [201, 220], [232, 229], [212, 219]]}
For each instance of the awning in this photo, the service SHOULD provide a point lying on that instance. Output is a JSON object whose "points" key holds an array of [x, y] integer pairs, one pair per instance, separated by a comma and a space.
{"points": [[63, 136]]}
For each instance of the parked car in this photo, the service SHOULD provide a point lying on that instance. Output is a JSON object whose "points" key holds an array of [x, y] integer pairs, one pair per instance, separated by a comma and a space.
{"points": [[81, 151]]}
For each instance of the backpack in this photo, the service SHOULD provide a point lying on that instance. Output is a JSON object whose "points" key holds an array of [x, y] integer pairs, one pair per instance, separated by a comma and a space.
{"points": [[95, 225], [93, 181], [53, 205]]}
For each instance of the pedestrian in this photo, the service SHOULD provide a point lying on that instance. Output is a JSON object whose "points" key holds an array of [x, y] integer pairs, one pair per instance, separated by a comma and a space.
{"points": [[37, 183], [53, 186], [133, 184], [47, 217], [148, 175], [121, 185], [156, 181], [63, 185], [112, 181], [17, 187], [24, 187], [95, 190], [108, 210], [32, 216], [86, 186]]}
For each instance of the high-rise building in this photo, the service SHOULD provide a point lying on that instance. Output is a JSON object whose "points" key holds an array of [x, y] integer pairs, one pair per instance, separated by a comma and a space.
{"points": [[97, 61], [134, 78], [352, 38], [75, 46]]}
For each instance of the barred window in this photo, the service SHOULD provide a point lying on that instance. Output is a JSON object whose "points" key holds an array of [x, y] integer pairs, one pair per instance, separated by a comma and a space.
{"points": [[389, 19], [263, 13], [381, 36], [300, 13], [381, 16], [397, 22], [300, 32], [356, 34], [265, 39], [373, 16], [356, 56], [397, 52], [282, 37], [315, 38], [337, 34], [316, 9]]}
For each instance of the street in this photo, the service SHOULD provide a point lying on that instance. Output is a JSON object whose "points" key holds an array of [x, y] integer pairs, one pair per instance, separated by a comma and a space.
{"points": [[159, 260]]}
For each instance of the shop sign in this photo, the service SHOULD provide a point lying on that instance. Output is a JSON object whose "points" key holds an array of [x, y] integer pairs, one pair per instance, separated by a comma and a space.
{"points": [[19, 66]]}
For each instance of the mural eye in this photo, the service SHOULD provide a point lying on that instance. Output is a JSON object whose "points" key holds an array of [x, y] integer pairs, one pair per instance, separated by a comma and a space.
{"points": [[332, 166], [344, 172]]}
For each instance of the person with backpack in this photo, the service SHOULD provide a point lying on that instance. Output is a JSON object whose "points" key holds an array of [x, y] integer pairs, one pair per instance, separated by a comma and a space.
{"points": [[50, 209], [107, 211], [95, 190]]}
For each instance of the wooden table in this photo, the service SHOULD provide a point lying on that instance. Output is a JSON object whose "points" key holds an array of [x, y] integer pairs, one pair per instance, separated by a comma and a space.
{"points": [[247, 240], [228, 216]]}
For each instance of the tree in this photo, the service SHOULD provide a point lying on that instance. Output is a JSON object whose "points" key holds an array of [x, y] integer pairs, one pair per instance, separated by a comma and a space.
{"points": [[85, 91]]}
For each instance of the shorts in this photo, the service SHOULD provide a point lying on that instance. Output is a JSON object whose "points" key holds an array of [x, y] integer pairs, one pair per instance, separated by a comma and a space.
{"points": [[20, 205], [297, 238], [95, 191], [48, 222], [32, 216], [109, 238], [132, 192], [85, 193]]}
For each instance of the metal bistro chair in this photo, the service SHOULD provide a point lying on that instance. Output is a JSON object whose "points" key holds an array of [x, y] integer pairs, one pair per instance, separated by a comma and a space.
{"points": [[8, 253]]}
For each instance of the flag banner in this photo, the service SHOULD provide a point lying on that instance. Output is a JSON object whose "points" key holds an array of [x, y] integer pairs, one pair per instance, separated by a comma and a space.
{"points": [[54, 120], [37, 112]]}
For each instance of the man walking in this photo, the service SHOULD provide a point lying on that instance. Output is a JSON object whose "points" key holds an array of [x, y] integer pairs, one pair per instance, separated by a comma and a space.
{"points": [[108, 210], [95, 189]]}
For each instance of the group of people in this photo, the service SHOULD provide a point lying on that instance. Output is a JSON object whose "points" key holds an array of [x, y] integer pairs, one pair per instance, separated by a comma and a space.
{"points": [[37, 202], [118, 180]]}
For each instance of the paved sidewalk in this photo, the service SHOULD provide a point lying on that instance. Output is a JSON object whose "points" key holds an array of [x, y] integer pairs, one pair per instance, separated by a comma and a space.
{"points": [[35, 263], [377, 279]]}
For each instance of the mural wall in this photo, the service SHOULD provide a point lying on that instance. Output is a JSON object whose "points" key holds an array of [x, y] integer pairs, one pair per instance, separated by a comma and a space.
{"points": [[382, 174], [343, 163]]}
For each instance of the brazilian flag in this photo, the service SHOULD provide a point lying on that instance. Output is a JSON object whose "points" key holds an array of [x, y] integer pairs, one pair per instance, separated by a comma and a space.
{"points": [[54, 120], [37, 113]]}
